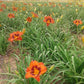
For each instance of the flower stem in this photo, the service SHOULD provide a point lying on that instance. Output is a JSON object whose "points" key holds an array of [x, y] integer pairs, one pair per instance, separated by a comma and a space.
{"points": [[77, 29]]}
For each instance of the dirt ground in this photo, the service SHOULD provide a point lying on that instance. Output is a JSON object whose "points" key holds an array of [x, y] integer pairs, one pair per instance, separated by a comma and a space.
{"points": [[5, 63]]}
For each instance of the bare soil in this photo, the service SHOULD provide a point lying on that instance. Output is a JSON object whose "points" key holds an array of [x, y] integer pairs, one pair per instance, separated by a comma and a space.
{"points": [[7, 62]]}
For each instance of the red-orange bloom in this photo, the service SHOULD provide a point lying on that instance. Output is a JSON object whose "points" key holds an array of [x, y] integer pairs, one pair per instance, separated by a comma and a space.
{"points": [[54, 5], [30, 4], [15, 36], [1, 9], [1, 1], [70, 3], [50, 3], [25, 3], [59, 5], [11, 15], [34, 15], [67, 5], [24, 8], [45, 4], [29, 19], [15, 9], [48, 20], [80, 5], [3, 5], [77, 22], [35, 69]]}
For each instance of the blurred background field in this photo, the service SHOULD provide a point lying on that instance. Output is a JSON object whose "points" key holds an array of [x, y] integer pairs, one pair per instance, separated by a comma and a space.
{"points": [[56, 0], [47, 0]]}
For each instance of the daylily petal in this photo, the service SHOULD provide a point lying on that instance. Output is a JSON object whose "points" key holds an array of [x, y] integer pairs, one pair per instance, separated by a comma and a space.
{"points": [[28, 75], [37, 78], [43, 68]]}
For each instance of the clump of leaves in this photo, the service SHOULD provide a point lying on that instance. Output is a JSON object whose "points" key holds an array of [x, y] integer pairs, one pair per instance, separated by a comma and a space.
{"points": [[3, 45]]}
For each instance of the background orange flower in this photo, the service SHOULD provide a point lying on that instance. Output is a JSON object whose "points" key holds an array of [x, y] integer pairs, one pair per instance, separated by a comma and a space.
{"points": [[15, 36], [15, 9], [29, 19], [3, 5], [48, 20], [1, 9], [34, 15], [77, 22], [11, 15], [23, 8]]}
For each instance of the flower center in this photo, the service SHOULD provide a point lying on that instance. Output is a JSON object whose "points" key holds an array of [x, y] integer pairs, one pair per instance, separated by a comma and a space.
{"points": [[48, 20], [15, 36], [35, 70], [29, 19], [79, 22], [10, 15]]}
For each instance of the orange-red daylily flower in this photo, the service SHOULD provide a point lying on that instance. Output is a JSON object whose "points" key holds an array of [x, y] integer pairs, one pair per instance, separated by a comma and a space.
{"points": [[50, 3], [77, 22], [11, 15], [1, 9], [15, 9], [29, 19], [67, 5], [54, 5], [25, 3], [3, 5], [48, 20], [1, 1], [15, 36], [70, 3], [45, 4], [35, 69], [30, 4], [59, 5], [80, 5], [23, 8], [34, 15]]}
